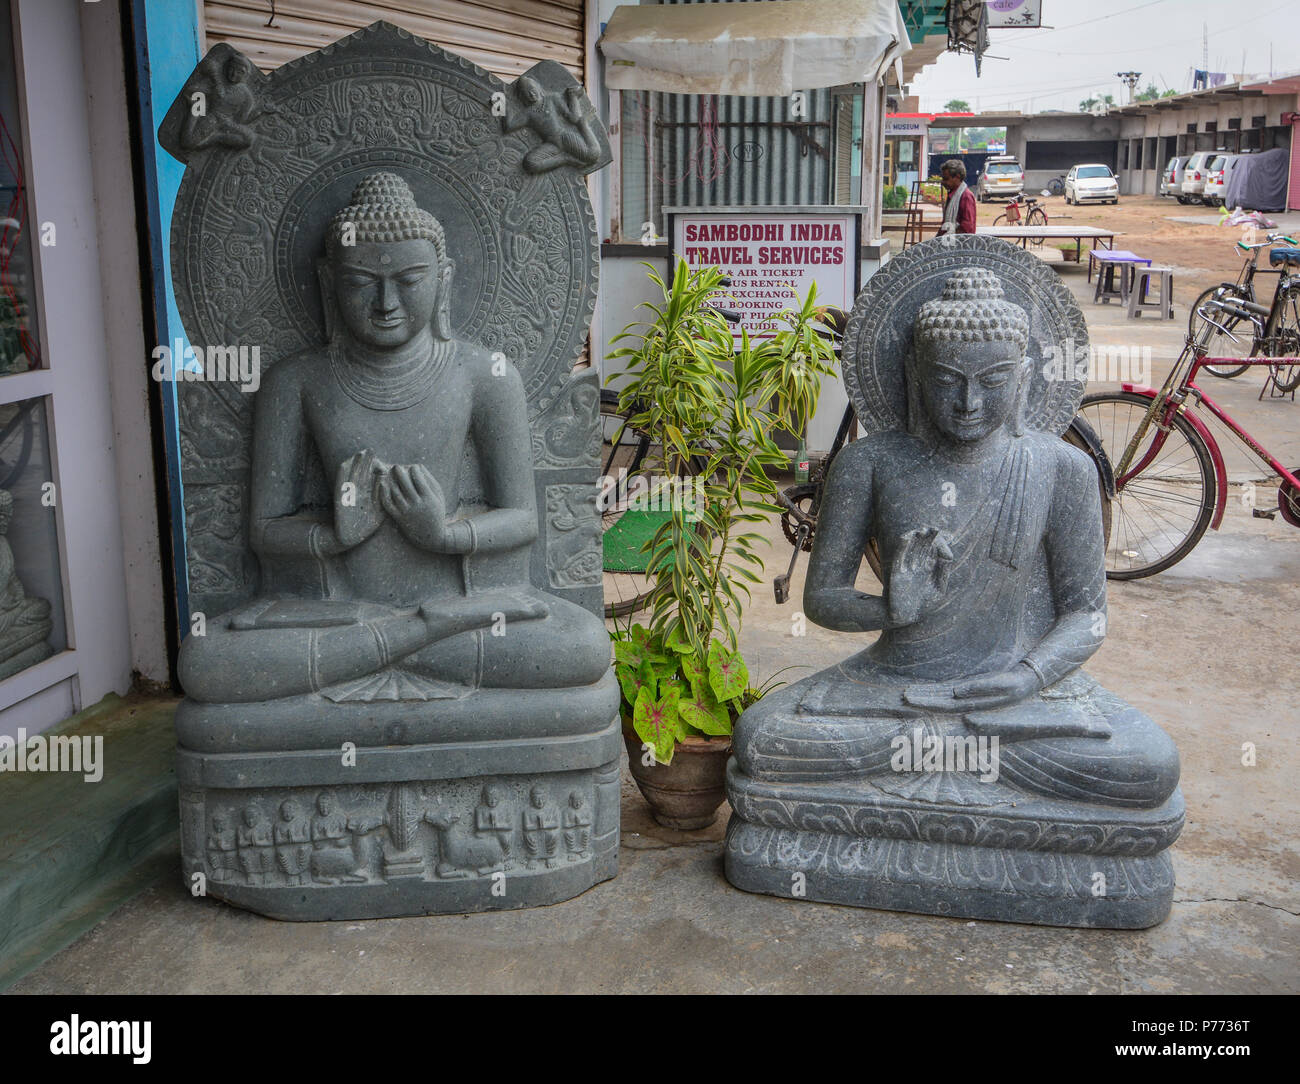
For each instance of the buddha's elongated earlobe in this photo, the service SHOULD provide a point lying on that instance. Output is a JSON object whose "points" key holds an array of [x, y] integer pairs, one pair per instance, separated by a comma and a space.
{"points": [[912, 386], [325, 275], [1026, 377], [442, 313]]}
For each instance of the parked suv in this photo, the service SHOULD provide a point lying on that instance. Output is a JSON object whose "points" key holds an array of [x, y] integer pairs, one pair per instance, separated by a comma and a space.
{"points": [[1171, 180], [1215, 176], [1093, 181], [1002, 177], [1194, 174]]}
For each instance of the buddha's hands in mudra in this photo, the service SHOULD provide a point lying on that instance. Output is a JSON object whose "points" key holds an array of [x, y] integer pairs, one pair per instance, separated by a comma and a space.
{"points": [[357, 510], [918, 575], [414, 499], [979, 693]]}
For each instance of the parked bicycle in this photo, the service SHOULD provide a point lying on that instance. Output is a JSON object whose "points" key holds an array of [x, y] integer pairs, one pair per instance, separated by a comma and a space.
{"points": [[1033, 215], [1169, 483], [1056, 186], [1274, 329]]}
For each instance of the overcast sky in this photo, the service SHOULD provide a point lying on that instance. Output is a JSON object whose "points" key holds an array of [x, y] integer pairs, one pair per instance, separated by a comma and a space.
{"points": [[1162, 39]]}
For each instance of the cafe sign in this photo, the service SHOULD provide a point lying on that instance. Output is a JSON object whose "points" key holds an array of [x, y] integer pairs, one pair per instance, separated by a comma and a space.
{"points": [[1014, 14]]}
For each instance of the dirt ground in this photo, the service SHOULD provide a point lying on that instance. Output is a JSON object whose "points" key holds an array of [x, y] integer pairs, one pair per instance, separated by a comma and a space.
{"points": [[1201, 254]]}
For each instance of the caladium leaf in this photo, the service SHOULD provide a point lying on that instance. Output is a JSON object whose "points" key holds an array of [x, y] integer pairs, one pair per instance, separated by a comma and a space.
{"points": [[677, 643], [633, 679], [697, 673], [629, 653], [657, 722], [702, 710], [728, 675]]}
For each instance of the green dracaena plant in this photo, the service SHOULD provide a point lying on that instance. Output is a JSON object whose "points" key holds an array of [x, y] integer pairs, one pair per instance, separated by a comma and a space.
{"points": [[712, 411]]}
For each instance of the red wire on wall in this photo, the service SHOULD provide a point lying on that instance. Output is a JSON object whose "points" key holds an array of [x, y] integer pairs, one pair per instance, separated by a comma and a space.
{"points": [[14, 215]]}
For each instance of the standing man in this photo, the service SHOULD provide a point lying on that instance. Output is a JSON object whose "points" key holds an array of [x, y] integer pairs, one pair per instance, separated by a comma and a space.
{"points": [[959, 207]]}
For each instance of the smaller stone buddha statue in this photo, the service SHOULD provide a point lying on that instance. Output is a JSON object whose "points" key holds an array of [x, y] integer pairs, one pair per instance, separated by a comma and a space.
{"points": [[996, 589], [432, 510], [25, 623], [995, 594]]}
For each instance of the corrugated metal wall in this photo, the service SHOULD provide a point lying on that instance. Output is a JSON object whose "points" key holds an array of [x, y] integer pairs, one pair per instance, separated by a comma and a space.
{"points": [[719, 150], [507, 37], [723, 150]]}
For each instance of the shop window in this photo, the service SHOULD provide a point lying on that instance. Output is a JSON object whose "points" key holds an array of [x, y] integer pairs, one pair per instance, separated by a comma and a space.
{"points": [[20, 349], [32, 625]]}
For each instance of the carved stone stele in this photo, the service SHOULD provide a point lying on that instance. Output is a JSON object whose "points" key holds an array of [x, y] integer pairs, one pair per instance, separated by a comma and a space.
{"points": [[386, 264]]}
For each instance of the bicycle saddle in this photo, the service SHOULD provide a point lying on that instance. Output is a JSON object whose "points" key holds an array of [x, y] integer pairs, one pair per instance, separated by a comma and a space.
{"points": [[1283, 255]]}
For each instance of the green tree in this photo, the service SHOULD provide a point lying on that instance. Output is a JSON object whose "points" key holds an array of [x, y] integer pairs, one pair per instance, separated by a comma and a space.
{"points": [[1150, 94], [957, 105], [1087, 105]]}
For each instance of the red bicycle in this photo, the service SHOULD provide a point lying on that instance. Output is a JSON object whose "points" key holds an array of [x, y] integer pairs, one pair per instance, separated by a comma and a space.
{"points": [[1169, 483]]}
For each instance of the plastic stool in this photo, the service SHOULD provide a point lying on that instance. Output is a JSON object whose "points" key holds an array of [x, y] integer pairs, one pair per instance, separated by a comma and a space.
{"points": [[1137, 295]]}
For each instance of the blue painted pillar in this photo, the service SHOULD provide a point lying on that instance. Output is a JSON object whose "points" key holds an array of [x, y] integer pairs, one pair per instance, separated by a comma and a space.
{"points": [[166, 34]]}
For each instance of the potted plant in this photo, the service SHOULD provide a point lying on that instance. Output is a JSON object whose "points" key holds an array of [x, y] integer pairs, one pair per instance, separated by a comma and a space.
{"points": [[712, 412]]}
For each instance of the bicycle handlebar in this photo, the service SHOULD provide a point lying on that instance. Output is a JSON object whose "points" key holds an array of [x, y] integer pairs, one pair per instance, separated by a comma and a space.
{"points": [[1269, 240]]}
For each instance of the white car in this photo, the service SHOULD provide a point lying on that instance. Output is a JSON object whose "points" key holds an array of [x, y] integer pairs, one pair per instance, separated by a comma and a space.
{"points": [[1194, 175], [1092, 182]]}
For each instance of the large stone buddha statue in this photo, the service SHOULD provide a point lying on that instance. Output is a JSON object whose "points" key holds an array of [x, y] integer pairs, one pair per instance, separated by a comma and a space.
{"points": [[962, 763], [391, 541], [405, 419]]}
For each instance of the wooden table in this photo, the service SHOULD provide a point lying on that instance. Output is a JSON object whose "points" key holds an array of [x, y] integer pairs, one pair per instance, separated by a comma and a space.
{"points": [[1077, 234]]}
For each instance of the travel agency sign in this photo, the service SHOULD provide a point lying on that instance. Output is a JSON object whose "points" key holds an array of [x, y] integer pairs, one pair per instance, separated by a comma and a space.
{"points": [[771, 258]]}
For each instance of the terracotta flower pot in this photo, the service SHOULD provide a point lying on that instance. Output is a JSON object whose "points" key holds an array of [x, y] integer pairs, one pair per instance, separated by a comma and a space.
{"points": [[686, 792]]}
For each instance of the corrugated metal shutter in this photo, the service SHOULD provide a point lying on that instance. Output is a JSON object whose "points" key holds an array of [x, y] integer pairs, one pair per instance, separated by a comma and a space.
{"points": [[844, 150], [507, 37]]}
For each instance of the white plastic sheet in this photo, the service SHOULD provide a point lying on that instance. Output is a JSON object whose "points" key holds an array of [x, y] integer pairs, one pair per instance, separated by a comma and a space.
{"points": [[771, 47]]}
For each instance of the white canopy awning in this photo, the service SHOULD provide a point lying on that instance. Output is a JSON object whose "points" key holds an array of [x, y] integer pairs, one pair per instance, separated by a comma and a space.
{"points": [[767, 47]]}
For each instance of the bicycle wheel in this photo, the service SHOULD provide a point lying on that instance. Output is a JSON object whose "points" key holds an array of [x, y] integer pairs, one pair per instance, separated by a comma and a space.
{"points": [[1037, 217], [1075, 436], [1160, 515], [622, 452], [1056, 186], [1218, 344], [1288, 501], [1001, 220]]}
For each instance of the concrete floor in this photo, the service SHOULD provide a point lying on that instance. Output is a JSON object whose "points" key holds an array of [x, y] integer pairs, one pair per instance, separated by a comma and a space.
{"points": [[1202, 648]]}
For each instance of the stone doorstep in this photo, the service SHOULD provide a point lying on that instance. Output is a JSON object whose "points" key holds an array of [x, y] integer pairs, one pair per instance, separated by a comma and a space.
{"points": [[71, 852]]}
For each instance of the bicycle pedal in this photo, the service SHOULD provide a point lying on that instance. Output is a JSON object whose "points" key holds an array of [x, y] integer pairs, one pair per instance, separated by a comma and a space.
{"points": [[781, 589], [1263, 513]]}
